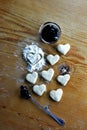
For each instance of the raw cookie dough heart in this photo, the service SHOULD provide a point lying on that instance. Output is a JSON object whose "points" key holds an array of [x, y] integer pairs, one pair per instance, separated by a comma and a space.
{"points": [[63, 79], [63, 48], [39, 89], [47, 75], [53, 59], [56, 95], [32, 77], [33, 58]]}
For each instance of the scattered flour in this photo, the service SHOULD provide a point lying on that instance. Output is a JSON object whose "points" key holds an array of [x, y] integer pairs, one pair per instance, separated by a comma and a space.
{"points": [[34, 56]]}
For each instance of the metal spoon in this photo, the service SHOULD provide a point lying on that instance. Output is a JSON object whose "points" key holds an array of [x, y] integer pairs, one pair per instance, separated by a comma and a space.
{"points": [[24, 92]]}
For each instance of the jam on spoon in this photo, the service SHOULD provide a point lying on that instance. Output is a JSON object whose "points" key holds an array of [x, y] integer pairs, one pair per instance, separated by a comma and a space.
{"points": [[24, 93], [49, 32]]}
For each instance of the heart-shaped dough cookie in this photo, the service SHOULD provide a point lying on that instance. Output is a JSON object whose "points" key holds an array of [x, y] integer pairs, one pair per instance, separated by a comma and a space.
{"points": [[56, 95], [63, 48], [33, 58], [53, 59], [63, 79], [47, 75], [32, 77], [39, 89]]}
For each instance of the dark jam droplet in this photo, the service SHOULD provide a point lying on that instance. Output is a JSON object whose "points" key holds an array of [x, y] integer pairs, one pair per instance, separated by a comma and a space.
{"points": [[24, 92], [64, 69], [50, 33]]}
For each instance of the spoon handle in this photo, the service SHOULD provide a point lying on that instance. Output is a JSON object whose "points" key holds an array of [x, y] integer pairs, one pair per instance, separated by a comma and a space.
{"points": [[46, 109], [57, 119]]}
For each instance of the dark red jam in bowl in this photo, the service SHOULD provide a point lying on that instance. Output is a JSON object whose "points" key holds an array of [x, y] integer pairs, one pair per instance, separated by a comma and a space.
{"points": [[49, 32]]}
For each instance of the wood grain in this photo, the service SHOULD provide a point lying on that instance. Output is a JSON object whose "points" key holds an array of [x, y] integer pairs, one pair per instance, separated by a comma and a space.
{"points": [[20, 21]]}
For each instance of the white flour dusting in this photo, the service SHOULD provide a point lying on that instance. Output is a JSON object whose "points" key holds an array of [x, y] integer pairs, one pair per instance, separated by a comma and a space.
{"points": [[34, 56]]}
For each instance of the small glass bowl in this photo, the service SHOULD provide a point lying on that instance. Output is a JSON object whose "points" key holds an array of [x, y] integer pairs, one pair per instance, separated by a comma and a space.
{"points": [[49, 32]]}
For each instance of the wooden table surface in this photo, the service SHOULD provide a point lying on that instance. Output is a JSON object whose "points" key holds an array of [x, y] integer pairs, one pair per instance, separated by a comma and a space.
{"points": [[19, 21]]}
